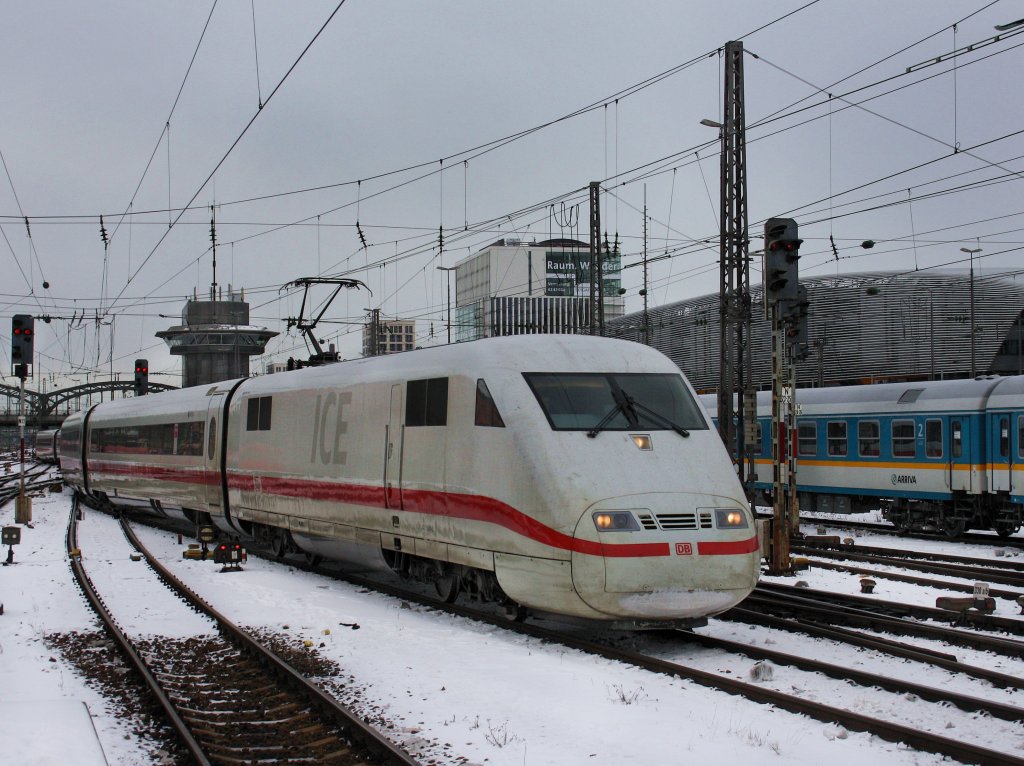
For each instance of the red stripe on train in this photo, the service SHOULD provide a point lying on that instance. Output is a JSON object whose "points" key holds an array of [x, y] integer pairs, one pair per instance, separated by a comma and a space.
{"points": [[449, 504]]}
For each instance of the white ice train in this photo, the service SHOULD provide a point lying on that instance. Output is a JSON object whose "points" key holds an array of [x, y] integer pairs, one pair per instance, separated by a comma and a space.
{"points": [[566, 474], [46, 445]]}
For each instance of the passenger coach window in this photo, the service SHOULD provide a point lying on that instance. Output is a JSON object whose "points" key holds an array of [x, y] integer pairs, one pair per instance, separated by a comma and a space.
{"points": [[903, 438], [837, 444], [1004, 437], [258, 416], [1020, 437], [807, 438], [486, 411], [152, 439], [869, 442], [426, 402], [957, 437], [212, 443], [933, 438]]}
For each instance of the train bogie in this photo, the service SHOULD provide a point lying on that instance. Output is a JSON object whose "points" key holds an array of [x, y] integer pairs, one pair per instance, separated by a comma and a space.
{"points": [[564, 474]]}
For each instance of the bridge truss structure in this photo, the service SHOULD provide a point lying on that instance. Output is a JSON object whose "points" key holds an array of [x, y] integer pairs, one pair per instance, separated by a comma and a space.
{"points": [[51, 407]]}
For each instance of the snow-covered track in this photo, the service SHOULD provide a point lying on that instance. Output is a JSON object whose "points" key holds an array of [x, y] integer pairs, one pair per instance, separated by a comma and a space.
{"points": [[962, 751], [845, 673], [996, 571], [888, 616], [877, 643], [885, 528], [230, 699], [36, 477]]}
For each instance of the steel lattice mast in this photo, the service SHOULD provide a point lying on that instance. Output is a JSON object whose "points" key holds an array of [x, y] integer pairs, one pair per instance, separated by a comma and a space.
{"points": [[734, 305]]}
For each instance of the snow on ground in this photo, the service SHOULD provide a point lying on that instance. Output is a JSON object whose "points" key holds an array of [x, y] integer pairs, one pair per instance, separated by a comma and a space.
{"points": [[456, 690]]}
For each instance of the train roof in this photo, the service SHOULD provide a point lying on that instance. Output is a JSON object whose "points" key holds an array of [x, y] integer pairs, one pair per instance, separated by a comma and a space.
{"points": [[1009, 392], [524, 353], [961, 394], [970, 392]]}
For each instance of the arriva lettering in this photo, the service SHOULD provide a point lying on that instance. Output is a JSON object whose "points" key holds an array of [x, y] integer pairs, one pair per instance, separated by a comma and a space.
{"points": [[903, 479], [328, 429]]}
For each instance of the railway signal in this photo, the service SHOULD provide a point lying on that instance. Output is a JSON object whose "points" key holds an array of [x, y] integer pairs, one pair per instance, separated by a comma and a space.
{"points": [[781, 257], [795, 313], [141, 377], [22, 352], [231, 556], [22, 337], [11, 537], [786, 305]]}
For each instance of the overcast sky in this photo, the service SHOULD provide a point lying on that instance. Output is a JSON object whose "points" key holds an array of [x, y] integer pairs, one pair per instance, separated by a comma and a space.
{"points": [[390, 93]]}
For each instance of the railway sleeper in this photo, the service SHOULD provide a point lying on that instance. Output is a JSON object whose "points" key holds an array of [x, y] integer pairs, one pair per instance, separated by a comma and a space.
{"points": [[228, 696], [260, 730], [220, 723], [266, 738], [257, 712]]}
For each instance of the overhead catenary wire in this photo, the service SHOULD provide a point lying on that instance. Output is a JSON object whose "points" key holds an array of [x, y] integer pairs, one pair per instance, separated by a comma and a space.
{"points": [[466, 227], [231, 148]]}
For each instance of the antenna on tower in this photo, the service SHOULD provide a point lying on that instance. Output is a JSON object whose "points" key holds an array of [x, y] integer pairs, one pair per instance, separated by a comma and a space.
{"points": [[213, 240]]}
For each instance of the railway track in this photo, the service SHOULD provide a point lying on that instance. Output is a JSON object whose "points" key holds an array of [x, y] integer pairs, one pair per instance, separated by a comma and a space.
{"points": [[884, 528], [888, 617], [796, 702], [36, 478], [889, 729], [1001, 572], [230, 699]]}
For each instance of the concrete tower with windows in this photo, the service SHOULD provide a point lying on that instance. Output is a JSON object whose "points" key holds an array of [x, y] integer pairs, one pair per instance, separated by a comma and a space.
{"points": [[215, 339]]}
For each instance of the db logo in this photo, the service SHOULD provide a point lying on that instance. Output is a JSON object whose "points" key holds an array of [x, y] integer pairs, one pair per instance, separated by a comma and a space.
{"points": [[684, 549]]}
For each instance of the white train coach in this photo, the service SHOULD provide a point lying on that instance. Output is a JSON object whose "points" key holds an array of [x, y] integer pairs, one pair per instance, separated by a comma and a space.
{"points": [[566, 474]]}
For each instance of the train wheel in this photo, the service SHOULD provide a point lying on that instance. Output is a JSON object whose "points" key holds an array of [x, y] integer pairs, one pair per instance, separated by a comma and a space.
{"points": [[1006, 528], [953, 527], [279, 542], [515, 612], [448, 587], [314, 559]]}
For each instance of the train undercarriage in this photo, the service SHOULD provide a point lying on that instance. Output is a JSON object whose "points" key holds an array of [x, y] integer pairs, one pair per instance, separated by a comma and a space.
{"points": [[449, 580], [952, 517], [956, 516]]}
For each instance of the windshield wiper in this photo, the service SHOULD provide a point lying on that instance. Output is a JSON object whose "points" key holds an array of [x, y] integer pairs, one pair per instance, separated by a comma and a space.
{"points": [[624, 405], [635, 405]]}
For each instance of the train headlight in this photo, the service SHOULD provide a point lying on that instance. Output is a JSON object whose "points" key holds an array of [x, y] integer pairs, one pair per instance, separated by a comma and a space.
{"points": [[730, 519], [642, 441], [615, 521]]}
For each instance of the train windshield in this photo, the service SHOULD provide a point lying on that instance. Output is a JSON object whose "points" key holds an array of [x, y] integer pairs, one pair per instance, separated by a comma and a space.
{"points": [[585, 401]]}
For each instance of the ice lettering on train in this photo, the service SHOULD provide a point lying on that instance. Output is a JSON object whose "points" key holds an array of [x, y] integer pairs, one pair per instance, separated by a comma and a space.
{"points": [[326, 440]]}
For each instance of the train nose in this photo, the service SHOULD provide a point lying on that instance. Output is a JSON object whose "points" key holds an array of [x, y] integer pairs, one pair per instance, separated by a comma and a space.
{"points": [[665, 556]]}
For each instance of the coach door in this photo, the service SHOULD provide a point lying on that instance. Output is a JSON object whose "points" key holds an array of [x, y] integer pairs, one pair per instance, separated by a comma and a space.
{"points": [[393, 442], [999, 450], [212, 450], [961, 464]]}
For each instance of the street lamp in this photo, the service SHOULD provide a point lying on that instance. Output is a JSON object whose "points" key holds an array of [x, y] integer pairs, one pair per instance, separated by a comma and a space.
{"points": [[971, 251], [449, 269]]}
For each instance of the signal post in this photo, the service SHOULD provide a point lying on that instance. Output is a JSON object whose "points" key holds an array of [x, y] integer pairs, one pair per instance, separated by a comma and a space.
{"points": [[22, 353], [786, 306]]}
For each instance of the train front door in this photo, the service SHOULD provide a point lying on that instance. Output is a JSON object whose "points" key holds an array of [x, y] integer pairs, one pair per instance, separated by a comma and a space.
{"points": [[394, 437], [212, 451], [999, 450]]}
